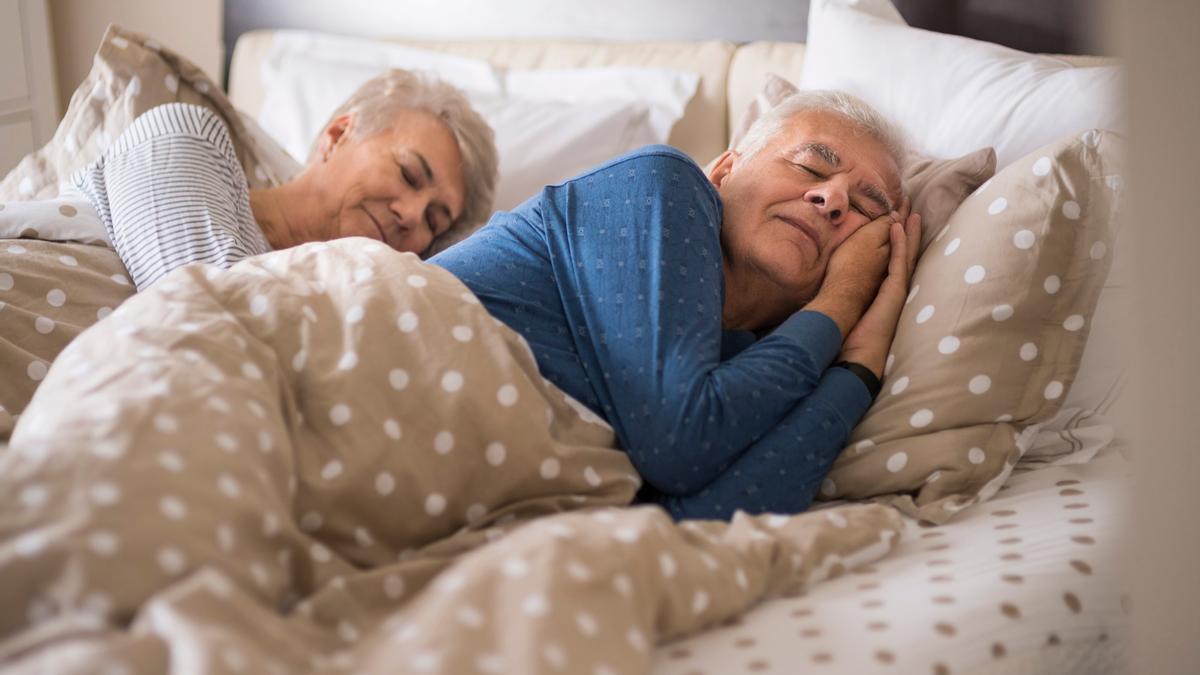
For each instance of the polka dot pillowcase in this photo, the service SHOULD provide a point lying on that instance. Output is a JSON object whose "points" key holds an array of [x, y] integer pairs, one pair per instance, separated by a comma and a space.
{"points": [[130, 75], [992, 333]]}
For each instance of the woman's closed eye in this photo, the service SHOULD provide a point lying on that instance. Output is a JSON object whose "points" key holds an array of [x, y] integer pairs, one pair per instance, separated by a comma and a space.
{"points": [[437, 219], [409, 177], [426, 218]]}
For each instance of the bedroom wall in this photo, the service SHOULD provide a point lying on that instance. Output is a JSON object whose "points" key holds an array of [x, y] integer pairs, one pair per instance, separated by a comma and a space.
{"points": [[1043, 26], [1048, 26], [516, 19], [1063, 26], [191, 27], [1158, 40]]}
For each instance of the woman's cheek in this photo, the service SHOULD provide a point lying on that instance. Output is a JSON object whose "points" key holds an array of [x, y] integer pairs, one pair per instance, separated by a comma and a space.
{"points": [[356, 224]]}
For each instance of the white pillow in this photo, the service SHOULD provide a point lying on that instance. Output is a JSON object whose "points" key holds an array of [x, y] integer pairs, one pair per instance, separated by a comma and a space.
{"points": [[301, 93], [307, 75], [542, 142], [550, 124], [949, 93]]}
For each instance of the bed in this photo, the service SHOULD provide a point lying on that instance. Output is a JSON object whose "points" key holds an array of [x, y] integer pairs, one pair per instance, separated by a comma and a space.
{"points": [[1023, 584], [1027, 582], [1023, 577]]}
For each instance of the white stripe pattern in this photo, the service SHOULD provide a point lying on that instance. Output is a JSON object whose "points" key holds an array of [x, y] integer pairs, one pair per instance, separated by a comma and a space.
{"points": [[170, 192]]}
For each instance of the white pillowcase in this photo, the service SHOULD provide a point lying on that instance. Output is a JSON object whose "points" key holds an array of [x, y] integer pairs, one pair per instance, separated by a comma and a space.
{"points": [[949, 93], [550, 124], [49, 220]]}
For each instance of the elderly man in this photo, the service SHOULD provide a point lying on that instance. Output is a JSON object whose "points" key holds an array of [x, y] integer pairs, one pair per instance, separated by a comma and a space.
{"points": [[643, 284]]}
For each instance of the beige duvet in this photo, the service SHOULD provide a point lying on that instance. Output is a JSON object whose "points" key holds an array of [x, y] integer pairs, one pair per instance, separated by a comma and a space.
{"points": [[331, 458]]}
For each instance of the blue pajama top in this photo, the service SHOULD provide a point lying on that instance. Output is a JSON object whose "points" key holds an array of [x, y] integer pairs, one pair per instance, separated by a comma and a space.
{"points": [[615, 279]]}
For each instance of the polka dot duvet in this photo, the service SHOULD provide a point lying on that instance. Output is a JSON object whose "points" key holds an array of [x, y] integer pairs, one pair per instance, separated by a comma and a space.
{"points": [[331, 458], [49, 293]]}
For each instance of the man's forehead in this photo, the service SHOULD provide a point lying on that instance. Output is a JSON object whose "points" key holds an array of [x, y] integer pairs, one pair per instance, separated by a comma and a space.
{"points": [[839, 141]]}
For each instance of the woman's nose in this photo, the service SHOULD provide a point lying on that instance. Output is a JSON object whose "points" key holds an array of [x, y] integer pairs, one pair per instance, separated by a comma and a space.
{"points": [[407, 211]]}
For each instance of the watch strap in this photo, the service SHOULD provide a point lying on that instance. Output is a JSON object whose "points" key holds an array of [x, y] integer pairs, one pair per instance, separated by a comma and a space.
{"points": [[864, 373]]}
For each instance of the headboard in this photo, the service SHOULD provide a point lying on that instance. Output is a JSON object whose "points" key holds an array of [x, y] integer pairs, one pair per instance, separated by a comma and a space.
{"points": [[1045, 26], [731, 46]]}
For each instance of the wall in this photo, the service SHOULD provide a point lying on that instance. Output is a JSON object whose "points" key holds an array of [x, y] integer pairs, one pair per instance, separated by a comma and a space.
{"points": [[29, 109], [1158, 40], [190, 27], [519, 19], [1059, 26]]}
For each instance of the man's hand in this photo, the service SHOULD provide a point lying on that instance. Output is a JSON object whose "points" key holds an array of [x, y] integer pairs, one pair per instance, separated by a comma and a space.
{"points": [[871, 338], [855, 271]]}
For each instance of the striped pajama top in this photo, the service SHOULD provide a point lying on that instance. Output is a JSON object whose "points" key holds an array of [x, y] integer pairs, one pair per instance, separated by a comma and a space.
{"points": [[170, 191]]}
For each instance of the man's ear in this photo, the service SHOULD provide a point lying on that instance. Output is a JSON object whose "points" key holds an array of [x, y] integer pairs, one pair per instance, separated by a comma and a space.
{"points": [[334, 135], [720, 167]]}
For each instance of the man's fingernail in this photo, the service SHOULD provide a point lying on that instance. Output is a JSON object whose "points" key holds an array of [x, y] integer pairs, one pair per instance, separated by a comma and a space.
{"points": [[895, 215]]}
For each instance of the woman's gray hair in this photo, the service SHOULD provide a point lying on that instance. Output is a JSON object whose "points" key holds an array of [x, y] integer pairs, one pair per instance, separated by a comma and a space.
{"points": [[828, 100], [381, 99]]}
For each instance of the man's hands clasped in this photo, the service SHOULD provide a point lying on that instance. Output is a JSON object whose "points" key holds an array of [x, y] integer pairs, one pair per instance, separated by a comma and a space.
{"points": [[866, 285]]}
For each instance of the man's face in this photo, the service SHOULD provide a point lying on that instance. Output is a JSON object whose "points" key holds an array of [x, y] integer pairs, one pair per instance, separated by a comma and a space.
{"points": [[789, 207]]}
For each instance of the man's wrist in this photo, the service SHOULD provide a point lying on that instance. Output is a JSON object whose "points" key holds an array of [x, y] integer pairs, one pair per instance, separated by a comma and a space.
{"points": [[868, 377], [870, 362], [843, 309]]}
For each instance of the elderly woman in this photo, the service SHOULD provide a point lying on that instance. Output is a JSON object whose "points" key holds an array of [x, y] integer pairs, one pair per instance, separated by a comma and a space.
{"points": [[642, 285], [404, 160]]}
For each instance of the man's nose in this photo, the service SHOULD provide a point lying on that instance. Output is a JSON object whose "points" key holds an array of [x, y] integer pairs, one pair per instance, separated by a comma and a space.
{"points": [[830, 201]]}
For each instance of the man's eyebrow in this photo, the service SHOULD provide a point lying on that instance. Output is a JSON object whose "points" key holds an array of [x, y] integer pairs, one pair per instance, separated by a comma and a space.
{"points": [[823, 151], [826, 153], [877, 196]]}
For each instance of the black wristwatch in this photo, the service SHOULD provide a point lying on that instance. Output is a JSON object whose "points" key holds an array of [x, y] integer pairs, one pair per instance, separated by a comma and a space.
{"points": [[864, 373]]}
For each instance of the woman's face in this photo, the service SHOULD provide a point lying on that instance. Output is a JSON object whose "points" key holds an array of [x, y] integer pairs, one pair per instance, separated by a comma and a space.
{"points": [[402, 186]]}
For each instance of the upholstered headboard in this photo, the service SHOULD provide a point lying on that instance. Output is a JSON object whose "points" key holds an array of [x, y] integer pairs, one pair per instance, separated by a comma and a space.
{"points": [[1045, 26], [730, 74]]}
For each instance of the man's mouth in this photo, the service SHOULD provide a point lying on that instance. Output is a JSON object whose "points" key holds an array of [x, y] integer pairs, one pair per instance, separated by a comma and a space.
{"points": [[805, 229]]}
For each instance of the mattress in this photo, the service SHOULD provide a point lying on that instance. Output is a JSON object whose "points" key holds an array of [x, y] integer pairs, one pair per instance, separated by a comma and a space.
{"points": [[1029, 582]]}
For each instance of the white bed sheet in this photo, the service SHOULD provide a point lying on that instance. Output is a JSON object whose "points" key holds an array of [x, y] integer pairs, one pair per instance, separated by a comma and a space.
{"points": [[1029, 582]]}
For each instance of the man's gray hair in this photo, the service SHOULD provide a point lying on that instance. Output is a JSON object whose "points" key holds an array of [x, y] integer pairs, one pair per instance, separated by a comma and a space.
{"points": [[848, 106], [377, 103]]}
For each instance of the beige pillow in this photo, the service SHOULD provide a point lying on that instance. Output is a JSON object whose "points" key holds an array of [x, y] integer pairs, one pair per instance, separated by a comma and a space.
{"points": [[131, 74], [936, 186], [992, 334]]}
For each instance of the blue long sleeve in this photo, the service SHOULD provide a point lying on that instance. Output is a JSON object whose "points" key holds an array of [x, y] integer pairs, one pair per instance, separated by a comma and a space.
{"points": [[782, 472], [615, 278]]}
